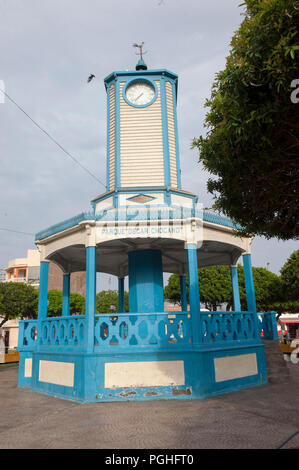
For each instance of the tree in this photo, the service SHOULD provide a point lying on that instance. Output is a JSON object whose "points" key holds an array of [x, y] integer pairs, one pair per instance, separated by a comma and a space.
{"points": [[107, 301], [77, 303], [252, 142], [17, 300], [172, 292], [215, 286], [267, 287], [290, 277]]}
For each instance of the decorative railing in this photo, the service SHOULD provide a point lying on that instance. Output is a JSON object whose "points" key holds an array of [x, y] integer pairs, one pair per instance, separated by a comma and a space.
{"points": [[155, 331], [27, 335], [268, 325], [152, 331], [63, 331], [228, 326], [135, 214]]}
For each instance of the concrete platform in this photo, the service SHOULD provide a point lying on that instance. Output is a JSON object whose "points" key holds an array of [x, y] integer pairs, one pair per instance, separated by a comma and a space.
{"points": [[258, 418]]}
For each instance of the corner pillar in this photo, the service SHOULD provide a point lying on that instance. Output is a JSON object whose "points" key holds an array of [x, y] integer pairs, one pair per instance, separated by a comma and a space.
{"points": [[66, 295], [121, 294], [43, 294], [249, 285], [235, 288], [90, 300], [194, 299]]}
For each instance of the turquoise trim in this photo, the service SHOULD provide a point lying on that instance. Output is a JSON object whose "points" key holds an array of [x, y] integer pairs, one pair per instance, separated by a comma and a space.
{"points": [[235, 288], [167, 180], [139, 79], [127, 75]]}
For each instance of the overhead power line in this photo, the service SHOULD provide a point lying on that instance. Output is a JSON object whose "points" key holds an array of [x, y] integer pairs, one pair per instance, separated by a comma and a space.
{"points": [[16, 231], [53, 140]]}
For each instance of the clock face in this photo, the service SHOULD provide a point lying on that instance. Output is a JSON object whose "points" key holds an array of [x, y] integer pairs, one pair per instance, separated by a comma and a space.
{"points": [[140, 93]]}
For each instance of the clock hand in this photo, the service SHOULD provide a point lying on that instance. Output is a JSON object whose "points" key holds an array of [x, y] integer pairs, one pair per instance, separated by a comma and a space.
{"points": [[139, 96]]}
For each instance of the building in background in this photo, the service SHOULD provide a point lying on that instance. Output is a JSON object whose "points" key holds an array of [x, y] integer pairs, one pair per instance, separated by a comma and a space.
{"points": [[27, 270]]}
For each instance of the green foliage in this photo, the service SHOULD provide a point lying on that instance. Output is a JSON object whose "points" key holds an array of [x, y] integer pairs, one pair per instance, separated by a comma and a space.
{"points": [[267, 286], [287, 306], [172, 292], [252, 142], [290, 277], [54, 303], [215, 286], [107, 301], [77, 303], [17, 300]]}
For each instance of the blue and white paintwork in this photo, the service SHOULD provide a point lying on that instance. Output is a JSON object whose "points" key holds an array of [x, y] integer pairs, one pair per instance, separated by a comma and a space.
{"points": [[146, 353]]}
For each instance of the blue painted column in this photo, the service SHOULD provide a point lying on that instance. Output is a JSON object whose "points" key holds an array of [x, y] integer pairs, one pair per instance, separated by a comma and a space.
{"points": [[121, 294], [146, 281], [90, 300], [183, 293], [249, 285], [66, 295], [43, 295], [235, 287], [194, 299]]}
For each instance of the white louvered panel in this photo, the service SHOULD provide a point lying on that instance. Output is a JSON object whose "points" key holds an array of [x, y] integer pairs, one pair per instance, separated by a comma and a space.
{"points": [[141, 144], [111, 137], [171, 135]]}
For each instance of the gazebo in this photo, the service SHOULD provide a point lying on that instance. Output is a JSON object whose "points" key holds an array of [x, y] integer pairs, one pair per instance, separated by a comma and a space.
{"points": [[143, 225]]}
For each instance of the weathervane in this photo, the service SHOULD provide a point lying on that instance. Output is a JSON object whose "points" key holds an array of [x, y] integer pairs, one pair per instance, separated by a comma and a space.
{"points": [[141, 65], [140, 46]]}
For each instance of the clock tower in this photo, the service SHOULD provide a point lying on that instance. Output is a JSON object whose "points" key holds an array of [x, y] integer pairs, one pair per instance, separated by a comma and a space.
{"points": [[144, 225], [142, 136]]}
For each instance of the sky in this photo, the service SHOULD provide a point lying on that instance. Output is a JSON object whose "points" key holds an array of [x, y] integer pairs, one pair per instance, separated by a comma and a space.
{"points": [[48, 48]]}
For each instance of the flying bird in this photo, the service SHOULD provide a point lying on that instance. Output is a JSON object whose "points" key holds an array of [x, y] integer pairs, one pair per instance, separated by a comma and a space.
{"points": [[90, 78]]}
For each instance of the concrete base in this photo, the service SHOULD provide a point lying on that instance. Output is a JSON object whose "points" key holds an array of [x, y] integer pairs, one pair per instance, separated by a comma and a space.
{"points": [[196, 373]]}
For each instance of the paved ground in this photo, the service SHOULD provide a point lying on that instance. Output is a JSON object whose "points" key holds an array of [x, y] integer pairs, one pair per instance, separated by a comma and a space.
{"points": [[258, 418]]}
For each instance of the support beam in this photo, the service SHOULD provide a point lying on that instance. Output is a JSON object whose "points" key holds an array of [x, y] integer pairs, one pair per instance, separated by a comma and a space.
{"points": [[235, 288], [194, 292], [66, 295], [121, 294], [43, 295], [90, 301], [249, 285]]}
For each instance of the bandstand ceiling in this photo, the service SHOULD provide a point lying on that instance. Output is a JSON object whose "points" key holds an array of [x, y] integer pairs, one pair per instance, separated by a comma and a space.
{"points": [[112, 256]]}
